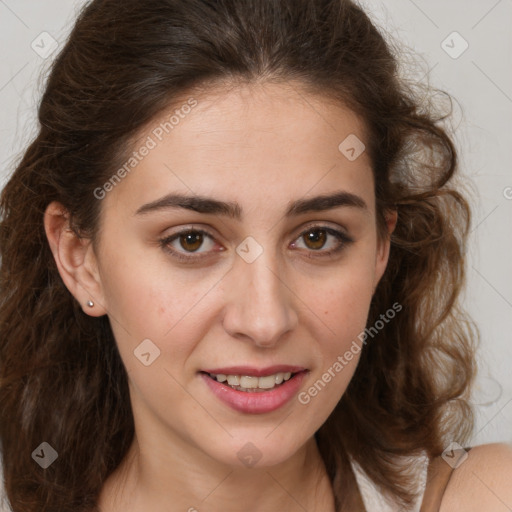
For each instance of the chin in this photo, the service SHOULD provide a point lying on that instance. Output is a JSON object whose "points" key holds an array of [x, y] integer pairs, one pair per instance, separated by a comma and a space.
{"points": [[257, 451]]}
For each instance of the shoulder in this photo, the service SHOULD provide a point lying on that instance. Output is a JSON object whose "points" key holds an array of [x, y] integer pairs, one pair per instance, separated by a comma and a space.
{"points": [[482, 482]]}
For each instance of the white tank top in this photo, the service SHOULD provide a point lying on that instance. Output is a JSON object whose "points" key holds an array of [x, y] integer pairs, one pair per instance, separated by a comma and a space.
{"points": [[376, 501]]}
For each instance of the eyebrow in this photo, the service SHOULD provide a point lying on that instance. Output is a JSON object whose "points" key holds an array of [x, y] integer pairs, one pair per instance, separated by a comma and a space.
{"points": [[208, 205]]}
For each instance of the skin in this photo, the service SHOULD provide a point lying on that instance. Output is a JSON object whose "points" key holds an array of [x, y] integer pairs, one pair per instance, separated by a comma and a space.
{"points": [[262, 146]]}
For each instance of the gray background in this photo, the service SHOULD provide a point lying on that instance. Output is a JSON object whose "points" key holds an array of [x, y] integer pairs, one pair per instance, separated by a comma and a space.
{"points": [[481, 81]]}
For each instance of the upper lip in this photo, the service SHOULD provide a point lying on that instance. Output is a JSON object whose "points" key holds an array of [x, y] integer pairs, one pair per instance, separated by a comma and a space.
{"points": [[255, 372]]}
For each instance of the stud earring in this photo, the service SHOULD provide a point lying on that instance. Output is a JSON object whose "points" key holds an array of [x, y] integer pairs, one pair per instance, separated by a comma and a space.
{"points": [[90, 303]]}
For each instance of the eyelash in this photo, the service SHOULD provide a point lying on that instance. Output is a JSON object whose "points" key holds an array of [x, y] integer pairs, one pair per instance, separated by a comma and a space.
{"points": [[344, 240]]}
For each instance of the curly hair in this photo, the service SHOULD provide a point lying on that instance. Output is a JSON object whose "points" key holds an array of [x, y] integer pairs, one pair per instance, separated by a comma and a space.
{"points": [[61, 376]]}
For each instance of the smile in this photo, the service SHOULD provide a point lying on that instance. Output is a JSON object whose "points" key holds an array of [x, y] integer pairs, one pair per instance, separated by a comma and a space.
{"points": [[249, 383], [248, 393]]}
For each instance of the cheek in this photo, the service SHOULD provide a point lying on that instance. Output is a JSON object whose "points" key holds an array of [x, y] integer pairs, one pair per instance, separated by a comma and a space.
{"points": [[171, 308], [345, 297], [344, 304], [341, 304], [142, 293]]}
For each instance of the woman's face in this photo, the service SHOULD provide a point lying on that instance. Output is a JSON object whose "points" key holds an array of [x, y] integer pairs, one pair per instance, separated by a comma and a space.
{"points": [[272, 274]]}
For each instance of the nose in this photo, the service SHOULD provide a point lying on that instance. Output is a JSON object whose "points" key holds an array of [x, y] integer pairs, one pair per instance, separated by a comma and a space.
{"points": [[260, 304]]}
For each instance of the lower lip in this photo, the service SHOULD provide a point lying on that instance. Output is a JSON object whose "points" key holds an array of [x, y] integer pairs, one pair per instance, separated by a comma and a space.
{"points": [[256, 402]]}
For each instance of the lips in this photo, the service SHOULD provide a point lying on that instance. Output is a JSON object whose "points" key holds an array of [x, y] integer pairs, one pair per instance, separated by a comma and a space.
{"points": [[253, 399]]}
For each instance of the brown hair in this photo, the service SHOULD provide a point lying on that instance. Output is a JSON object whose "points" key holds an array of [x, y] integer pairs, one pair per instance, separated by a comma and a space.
{"points": [[61, 377]]}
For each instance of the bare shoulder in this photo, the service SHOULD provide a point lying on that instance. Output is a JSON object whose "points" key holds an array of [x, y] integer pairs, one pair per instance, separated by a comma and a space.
{"points": [[482, 482]]}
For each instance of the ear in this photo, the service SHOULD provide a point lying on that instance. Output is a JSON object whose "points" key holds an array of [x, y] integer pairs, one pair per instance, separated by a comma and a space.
{"points": [[75, 259], [383, 246]]}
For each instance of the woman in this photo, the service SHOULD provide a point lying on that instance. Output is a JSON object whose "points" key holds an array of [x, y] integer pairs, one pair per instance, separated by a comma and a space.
{"points": [[231, 263]]}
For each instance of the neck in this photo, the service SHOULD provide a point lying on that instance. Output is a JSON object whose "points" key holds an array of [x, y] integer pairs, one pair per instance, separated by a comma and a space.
{"points": [[143, 481]]}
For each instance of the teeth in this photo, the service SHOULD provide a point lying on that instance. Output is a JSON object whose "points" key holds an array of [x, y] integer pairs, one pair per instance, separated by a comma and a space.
{"points": [[267, 382], [247, 382], [233, 380]]}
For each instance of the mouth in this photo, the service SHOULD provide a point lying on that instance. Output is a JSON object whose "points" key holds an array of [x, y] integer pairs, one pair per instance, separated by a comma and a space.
{"points": [[252, 383], [254, 391]]}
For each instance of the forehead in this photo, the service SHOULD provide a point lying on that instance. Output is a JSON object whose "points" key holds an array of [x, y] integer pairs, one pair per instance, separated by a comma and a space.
{"points": [[267, 141], [245, 113]]}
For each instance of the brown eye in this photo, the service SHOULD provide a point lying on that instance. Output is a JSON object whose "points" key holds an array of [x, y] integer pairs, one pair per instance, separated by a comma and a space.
{"points": [[315, 238], [187, 242], [191, 240], [322, 241]]}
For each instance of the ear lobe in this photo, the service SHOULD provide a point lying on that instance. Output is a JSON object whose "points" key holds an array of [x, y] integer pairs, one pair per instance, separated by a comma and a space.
{"points": [[384, 246], [75, 259]]}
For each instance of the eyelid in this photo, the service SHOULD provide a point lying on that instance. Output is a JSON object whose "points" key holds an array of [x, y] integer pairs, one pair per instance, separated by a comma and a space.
{"points": [[164, 243], [320, 225], [341, 234]]}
